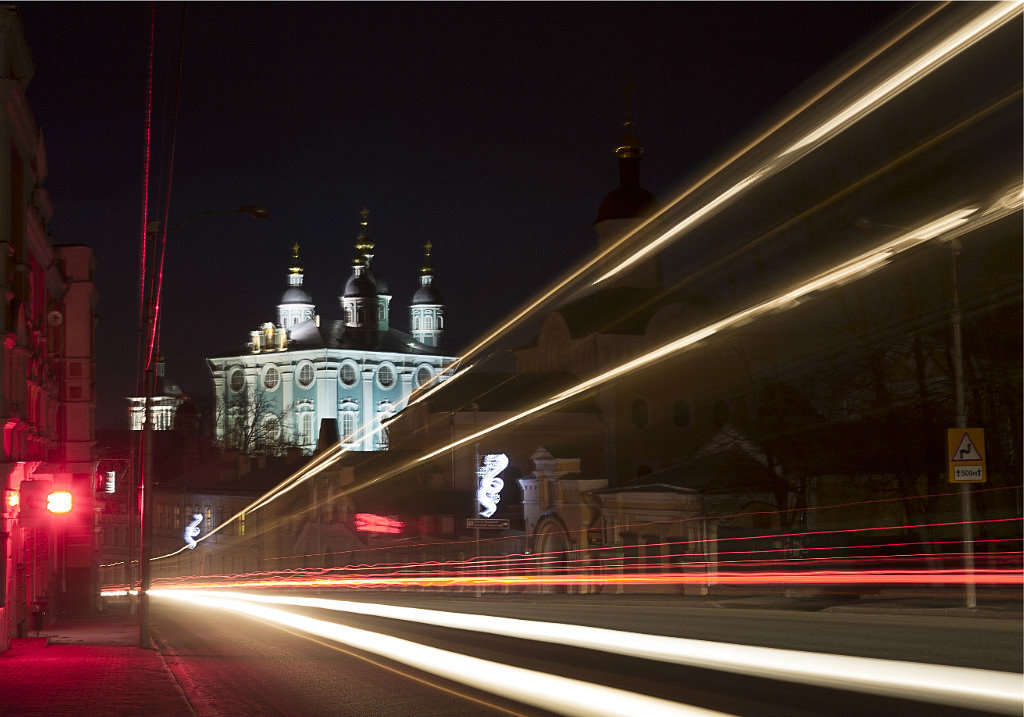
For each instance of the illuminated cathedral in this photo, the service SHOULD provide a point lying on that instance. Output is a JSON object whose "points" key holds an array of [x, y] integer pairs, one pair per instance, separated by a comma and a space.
{"points": [[301, 373]]}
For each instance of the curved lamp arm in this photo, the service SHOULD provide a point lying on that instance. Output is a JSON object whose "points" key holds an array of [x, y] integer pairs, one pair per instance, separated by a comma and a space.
{"points": [[257, 211]]}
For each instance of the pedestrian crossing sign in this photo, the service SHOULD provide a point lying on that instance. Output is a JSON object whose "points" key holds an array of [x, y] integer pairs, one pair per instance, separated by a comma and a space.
{"points": [[965, 450]]}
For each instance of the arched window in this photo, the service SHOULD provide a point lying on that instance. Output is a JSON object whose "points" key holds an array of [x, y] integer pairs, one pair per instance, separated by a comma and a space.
{"points": [[428, 322], [348, 425]]}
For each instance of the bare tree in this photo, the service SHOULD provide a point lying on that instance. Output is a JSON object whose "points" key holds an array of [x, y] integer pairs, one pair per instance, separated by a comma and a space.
{"points": [[253, 426]]}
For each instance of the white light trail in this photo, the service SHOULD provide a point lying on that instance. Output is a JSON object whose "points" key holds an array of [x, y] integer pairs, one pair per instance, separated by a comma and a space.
{"points": [[550, 692], [936, 56], [1001, 692], [847, 271]]}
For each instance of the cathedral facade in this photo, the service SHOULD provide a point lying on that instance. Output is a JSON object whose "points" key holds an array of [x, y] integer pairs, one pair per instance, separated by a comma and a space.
{"points": [[301, 373]]}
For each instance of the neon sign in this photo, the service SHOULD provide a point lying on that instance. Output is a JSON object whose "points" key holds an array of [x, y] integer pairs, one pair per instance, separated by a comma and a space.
{"points": [[371, 523], [488, 492], [192, 530]]}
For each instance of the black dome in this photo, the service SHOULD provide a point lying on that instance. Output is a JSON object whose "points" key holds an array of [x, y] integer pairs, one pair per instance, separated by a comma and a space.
{"points": [[295, 295], [628, 202], [361, 286], [427, 295]]}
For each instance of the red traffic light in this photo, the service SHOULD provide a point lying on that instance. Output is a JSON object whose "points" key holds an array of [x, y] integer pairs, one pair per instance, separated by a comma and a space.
{"points": [[60, 501]]}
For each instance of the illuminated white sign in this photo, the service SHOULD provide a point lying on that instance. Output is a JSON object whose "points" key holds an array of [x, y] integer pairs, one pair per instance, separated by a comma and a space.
{"points": [[192, 530], [488, 491], [110, 484]]}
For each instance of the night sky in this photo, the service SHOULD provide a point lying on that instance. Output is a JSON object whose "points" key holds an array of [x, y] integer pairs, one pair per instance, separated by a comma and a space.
{"points": [[487, 129]]}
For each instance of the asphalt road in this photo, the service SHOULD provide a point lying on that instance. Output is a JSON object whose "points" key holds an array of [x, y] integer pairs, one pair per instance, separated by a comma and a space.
{"points": [[234, 665]]}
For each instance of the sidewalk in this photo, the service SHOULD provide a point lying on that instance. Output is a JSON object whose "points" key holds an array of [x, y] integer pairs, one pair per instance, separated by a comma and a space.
{"points": [[88, 667]]}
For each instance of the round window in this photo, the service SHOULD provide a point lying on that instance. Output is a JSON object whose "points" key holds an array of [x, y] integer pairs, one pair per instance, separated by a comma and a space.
{"points": [[348, 374], [237, 380], [271, 378], [306, 375], [423, 375], [386, 376]]}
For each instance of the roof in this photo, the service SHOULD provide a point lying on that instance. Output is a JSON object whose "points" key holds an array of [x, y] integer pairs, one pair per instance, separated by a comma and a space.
{"points": [[296, 295], [729, 471], [427, 294], [335, 334], [628, 202]]}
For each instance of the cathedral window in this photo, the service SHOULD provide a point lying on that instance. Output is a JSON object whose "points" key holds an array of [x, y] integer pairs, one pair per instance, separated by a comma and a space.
{"points": [[306, 429], [348, 374], [428, 323], [270, 428], [271, 378], [348, 425], [423, 375], [237, 380], [386, 376], [306, 375]]}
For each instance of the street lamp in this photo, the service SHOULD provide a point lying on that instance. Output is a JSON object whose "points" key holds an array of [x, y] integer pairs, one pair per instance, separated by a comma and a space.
{"points": [[955, 320], [150, 309]]}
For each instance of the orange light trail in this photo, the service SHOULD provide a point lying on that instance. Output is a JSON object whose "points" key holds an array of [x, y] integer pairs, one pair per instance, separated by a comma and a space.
{"points": [[999, 577]]}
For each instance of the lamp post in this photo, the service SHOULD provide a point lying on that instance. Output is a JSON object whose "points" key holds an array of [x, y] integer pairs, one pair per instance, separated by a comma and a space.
{"points": [[955, 320], [149, 319], [966, 517]]}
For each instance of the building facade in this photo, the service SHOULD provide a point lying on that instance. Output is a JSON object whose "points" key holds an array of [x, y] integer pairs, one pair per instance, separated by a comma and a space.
{"points": [[299, 371], [47, 401]]}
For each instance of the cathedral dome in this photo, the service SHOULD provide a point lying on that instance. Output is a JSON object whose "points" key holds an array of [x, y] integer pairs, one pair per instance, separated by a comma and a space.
{"points": [[626, 202], [427, 295], [629, 200], [360, 286], [296, 295], [382, 286]]}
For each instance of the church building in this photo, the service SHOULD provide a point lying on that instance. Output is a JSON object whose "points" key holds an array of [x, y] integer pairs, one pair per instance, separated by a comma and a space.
{"points": [[353, 372]]}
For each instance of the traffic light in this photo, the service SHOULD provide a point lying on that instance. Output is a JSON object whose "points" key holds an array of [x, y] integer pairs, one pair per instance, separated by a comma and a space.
{"points": [[60, 502], [38, 501]]}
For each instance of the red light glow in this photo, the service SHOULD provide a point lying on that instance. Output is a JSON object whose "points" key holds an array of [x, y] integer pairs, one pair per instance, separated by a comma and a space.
{"points": [[60, 501], [371, 523]]}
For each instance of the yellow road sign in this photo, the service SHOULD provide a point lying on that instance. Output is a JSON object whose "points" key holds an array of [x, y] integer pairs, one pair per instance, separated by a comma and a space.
{"points": [[965, 452]]}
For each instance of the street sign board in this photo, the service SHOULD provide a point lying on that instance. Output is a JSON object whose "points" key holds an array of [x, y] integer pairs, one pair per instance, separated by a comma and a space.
{"points": [[487, 523], [965, 449]]}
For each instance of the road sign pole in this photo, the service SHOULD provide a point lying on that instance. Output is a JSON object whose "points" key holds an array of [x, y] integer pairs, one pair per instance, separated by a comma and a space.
{"points": [[966, 517]]}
